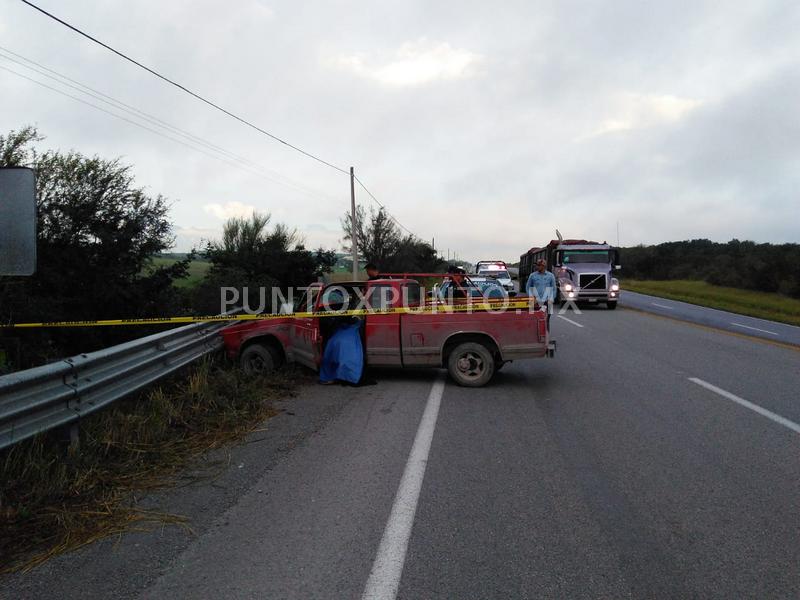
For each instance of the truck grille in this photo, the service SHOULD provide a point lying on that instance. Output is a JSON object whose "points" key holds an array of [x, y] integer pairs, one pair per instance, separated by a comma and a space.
{"points": [[588, 281]]}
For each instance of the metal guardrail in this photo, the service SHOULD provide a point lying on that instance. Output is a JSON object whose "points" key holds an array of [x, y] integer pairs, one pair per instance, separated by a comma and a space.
{"points": [[61, 393]]}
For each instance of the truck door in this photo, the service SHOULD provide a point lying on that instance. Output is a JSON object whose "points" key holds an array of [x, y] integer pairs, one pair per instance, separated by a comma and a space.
{"points": [[304, 335], [419, 336], [382, 334]]}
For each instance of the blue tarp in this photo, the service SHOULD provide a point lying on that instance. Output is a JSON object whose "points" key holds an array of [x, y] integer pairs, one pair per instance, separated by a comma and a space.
{"points": [[343, 359]]}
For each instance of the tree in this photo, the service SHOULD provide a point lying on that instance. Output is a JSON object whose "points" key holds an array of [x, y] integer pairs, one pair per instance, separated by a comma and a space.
{"points": [[381, 242], [16, 148], [742, 264], [250, 255], [97, 232], [416, 256], [379, 238]]}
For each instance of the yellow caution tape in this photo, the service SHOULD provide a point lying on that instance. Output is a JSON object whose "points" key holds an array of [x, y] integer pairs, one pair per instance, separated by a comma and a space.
{"points": [[434, 309]]}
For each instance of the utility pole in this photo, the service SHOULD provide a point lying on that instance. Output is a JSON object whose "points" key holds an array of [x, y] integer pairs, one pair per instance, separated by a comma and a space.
{"points": [[353, 228]]}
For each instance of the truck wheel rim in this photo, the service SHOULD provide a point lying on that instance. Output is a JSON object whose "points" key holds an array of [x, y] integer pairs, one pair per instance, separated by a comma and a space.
{"points": [[256, 363], [470, 365]]}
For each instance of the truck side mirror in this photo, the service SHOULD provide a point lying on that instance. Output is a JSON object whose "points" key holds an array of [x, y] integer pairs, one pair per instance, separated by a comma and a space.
{"points": [[615, 259]]}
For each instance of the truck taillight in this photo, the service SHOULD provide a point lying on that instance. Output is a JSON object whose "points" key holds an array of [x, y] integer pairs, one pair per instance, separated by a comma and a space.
{"points": [[541, 324]]}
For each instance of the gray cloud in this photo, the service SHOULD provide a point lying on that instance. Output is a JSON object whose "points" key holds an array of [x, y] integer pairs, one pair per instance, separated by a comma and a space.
{"points": [[485, 126]]}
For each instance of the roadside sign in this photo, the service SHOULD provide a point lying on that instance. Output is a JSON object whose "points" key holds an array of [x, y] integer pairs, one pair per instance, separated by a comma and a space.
{"points": [[17, 221]]}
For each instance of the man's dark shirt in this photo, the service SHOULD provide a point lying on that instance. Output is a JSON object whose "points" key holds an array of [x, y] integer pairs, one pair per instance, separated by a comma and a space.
{"points": [[459, 290]]}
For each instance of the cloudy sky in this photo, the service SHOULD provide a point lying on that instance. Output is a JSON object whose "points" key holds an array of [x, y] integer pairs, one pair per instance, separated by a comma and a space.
{"points": [[485, 125]]}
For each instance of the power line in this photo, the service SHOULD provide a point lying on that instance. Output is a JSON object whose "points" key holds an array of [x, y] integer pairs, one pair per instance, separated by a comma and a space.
{"points": [[150, 129], [229, 157], [378, 202], [198, 97], [85, 89], [108, 112], [161, 124], [118, 104], [184, 88]]}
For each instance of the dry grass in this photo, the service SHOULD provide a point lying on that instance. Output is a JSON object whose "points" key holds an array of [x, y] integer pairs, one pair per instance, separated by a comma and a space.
{"points": [[55, 500]]}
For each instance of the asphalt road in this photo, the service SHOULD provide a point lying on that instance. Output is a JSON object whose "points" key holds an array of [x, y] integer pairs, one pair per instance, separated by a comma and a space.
{"points": [[769, 330], [650, 459]]}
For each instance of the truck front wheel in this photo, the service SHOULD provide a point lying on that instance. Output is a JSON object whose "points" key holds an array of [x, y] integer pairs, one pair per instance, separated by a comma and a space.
{"points": [[257, 359], [471, 364], [611, 305]]}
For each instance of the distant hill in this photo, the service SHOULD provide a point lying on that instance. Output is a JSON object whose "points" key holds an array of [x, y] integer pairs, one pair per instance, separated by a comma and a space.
{"points": [[736, 264]]}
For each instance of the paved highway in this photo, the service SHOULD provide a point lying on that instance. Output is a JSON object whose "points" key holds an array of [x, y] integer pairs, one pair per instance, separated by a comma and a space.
{"points": [[651, 458], [769, 330]]}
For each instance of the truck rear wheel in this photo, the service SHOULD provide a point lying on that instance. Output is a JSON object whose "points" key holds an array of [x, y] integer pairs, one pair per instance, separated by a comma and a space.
{"points": [[257, 359], [471, 364]]}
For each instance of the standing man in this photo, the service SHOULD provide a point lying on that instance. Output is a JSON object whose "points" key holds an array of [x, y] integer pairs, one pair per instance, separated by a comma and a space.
{"points": [[542, 285], [457, 290], [372, 271]]}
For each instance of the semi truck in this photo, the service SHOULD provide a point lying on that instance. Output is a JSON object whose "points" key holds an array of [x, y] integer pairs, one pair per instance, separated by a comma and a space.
{"points": [[583, 269]]}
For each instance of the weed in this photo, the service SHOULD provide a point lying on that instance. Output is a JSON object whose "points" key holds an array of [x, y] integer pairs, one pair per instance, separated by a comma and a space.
{"points": [[54, 500]]}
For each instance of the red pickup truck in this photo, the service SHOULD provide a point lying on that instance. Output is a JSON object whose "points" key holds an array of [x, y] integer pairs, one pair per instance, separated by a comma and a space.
{"points": [[472, 346]]}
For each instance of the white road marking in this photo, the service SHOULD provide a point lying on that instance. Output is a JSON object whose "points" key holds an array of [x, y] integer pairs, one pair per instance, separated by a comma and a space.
{"points": [[384, 579], [662, 306], [754, 328], [754, 407], [569, 320]]}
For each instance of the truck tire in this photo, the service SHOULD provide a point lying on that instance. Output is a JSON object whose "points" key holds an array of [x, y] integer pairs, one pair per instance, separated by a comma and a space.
{"points": [[258, 359], [470, 364], [611, 305]]}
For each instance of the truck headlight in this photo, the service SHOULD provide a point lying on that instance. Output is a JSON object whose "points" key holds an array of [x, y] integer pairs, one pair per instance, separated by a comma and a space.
{"points": [[614, 287], [567, 287], [571, 295]]}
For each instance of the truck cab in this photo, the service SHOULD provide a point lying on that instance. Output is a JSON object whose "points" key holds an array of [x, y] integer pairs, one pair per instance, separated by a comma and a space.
{"points": [[584, 273], [584, 270]]}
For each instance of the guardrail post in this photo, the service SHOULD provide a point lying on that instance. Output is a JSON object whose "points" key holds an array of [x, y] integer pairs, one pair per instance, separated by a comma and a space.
{"points": [[74, 436], [69, 435]]}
